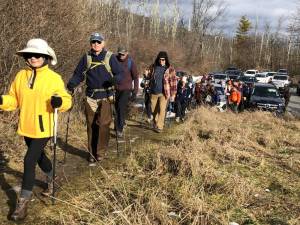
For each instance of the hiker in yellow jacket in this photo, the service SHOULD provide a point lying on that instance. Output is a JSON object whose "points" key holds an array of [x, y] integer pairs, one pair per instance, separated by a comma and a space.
{"points": [[36, 91]]}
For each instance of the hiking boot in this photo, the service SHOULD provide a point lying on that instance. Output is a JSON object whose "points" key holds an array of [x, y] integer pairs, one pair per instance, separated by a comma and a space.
{"points": [[21, 209], [157, 130], [91, 159], [149, 119], [50, 186], [119, 134], [99, 158]]}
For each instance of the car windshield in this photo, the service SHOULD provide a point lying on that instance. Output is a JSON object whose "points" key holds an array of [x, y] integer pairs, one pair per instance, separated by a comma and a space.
{"points": [[250, 72], [260, 75], [251, 79], [282, 71], [265, 92], [280, 78], [220, 76], [270, 74]]}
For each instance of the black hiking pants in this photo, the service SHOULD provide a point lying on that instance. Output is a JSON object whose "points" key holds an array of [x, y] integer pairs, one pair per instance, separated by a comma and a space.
{"points": [[148, 104], [35, 155], [180, 107], [122, 99]]}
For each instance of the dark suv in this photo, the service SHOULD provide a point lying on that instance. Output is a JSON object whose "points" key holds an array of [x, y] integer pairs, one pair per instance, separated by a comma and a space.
{"points": [[266, 97]]}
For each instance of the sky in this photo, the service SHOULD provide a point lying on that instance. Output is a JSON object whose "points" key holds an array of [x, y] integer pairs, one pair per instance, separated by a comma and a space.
{"points": [[262, 10]]}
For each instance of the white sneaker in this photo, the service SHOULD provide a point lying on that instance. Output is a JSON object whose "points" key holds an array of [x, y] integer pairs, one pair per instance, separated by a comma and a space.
{"points": [[177, 119]]}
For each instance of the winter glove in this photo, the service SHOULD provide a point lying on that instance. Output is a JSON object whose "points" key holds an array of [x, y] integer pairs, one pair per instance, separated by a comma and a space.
{"points": [[133, 97], [109, 83], [56, 101], [1, 100], [70, 90]]}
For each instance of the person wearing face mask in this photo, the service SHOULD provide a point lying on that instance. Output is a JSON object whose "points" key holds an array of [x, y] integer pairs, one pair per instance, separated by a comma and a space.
{"points": [[36, 91], [163, 88]]}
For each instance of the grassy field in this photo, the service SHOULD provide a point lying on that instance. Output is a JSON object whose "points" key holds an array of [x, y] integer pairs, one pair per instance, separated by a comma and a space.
{"points": [[215, 168]]}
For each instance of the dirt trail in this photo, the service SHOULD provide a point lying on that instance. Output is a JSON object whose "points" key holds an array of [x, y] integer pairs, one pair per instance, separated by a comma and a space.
{"points": [[74, 174]]}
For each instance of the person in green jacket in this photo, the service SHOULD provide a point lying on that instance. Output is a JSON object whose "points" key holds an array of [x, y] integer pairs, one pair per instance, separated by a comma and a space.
{"points": [[36, 91]]}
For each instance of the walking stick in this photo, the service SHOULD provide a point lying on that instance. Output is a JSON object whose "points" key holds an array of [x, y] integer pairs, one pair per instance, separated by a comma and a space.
{"points": [[114, 115], [67, 135], [54, 152]]}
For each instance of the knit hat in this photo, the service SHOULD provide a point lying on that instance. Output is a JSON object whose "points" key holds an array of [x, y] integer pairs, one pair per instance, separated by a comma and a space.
{"points": [[39, 46], [162, 54]]}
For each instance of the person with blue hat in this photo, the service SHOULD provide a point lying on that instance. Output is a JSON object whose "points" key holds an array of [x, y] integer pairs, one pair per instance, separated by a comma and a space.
{"points": [[101, 71]]}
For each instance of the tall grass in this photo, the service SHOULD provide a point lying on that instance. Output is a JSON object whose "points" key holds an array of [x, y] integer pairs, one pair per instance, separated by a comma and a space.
{"points": [[214, 169]]}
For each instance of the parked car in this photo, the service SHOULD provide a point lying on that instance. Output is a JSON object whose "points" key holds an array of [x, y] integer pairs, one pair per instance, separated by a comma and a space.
{"points": [[280, 81], [233, 73], [267, 97], [298, 88], [248, 80], [262, 77], [251, 73], [221, 104], [220, 78], [283, 71], [271, 74]]}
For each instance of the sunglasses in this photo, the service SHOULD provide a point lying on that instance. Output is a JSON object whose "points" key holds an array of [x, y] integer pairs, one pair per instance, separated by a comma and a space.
{"points": [[32, 55], [95, 41], [121, 54], [162, 59]]}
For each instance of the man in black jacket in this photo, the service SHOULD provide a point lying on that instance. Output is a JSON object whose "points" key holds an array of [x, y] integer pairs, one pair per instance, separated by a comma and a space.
{"points": [[100, 70]]}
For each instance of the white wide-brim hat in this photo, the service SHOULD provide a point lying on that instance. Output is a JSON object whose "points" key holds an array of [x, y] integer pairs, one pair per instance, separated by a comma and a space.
{"points": [[39, 46]]}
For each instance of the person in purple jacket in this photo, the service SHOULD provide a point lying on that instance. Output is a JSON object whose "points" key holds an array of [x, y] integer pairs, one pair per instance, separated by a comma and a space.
{"points": [[125, 90]]}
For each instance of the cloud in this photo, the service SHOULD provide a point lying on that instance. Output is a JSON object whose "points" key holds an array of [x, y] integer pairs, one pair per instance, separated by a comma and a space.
{"points": [[263, 11]]}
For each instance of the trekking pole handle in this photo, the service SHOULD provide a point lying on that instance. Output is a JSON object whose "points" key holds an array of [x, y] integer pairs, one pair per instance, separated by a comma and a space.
{"points": [[55, 126]]}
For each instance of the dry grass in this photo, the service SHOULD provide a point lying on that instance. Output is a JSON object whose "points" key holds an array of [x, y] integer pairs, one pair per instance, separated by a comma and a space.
{"points": [[213, 169]]}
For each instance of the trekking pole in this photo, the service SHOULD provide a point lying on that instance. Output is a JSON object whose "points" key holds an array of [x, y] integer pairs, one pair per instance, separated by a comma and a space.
{"points": [[54, 153], [67, 135], [114, 115]]}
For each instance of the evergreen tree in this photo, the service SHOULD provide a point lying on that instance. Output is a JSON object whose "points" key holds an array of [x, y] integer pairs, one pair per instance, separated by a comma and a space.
{"points": [[243, 29]]}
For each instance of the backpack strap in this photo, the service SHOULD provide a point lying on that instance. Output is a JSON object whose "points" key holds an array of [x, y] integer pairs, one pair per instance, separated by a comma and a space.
{"points": [[106, 62], [91, 65]]}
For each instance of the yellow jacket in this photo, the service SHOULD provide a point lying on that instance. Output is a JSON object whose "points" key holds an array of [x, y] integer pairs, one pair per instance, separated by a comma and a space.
{"points": [[32, 97]]}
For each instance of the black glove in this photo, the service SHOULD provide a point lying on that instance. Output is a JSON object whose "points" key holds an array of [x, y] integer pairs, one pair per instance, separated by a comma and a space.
{"points": [[70, 89], [1, 100], [56, 101], [109, 83], [133, 97]]}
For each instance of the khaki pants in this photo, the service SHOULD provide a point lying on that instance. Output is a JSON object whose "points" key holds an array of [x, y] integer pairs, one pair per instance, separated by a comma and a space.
{"points": [[158, 108], [98, 117]]}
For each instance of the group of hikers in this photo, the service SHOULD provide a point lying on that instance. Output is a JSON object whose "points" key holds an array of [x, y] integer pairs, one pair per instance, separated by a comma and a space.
{"points": [[111, 82]]}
